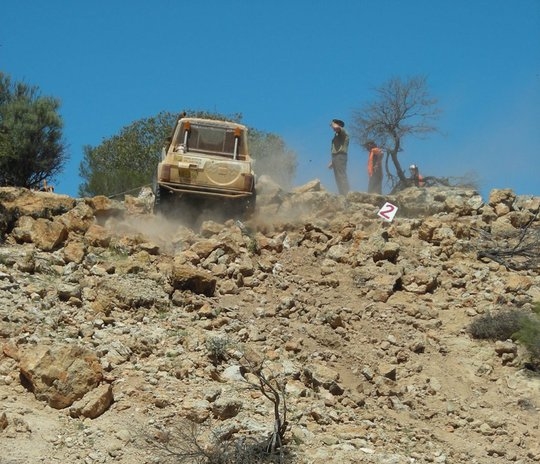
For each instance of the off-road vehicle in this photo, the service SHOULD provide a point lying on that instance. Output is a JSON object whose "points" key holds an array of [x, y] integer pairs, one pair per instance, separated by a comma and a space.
{"points": [[205, 163]]}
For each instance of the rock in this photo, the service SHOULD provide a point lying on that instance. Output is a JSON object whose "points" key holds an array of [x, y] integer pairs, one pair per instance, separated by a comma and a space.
{"points": [[142, 204], [414, 202], [105, 208], [22, 232], [74, 252], [515, 283], [388, 252], [196, 410], [116, 352], [427, 229], [60, 374], [97, 235], [131, 291], [338, 253], [312, 186], [235, 373], [188, 278], [47, 235], [204, 248], [388, 370], [505, 347], [78, 219], [464, 203], [67, 291], [419, 280], [225, 408], [502, 196], [319, 375], [527, 203], [26, 202], [94, 403], [502, 228]]}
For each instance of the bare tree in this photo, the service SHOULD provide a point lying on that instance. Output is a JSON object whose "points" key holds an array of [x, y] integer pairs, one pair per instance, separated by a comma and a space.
{"points": [[402, 107]]}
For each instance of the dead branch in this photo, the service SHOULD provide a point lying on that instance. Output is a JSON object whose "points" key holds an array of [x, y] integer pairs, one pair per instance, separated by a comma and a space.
{"points": [[517, 252], [274, 390]]}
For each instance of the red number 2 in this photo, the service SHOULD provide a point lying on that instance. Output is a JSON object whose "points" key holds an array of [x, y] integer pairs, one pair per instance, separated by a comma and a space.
{"points": [[387, 211]]}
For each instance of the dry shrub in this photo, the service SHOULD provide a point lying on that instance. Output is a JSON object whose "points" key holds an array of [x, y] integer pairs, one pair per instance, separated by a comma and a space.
{"points": [[191, 443], [497, 326], [515, 324]]}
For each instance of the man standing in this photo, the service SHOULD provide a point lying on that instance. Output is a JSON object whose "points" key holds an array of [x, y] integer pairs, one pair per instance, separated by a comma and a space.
{"points": [[374, 168], [416, 177], [340, 147]]}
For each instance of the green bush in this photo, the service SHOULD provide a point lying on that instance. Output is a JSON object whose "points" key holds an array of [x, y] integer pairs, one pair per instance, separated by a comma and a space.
{"points": [[217, 349], [529, 335]]}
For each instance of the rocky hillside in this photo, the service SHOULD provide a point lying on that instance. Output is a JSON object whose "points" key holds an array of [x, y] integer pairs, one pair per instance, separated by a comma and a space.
{"points": [[117, 326]]}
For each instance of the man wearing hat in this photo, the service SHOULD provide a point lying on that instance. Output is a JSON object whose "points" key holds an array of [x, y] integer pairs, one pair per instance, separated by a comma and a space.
{"points": [[340, 147]]}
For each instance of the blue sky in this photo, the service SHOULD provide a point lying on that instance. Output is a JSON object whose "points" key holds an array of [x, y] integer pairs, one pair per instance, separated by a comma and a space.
{"points": [[290, 67]]}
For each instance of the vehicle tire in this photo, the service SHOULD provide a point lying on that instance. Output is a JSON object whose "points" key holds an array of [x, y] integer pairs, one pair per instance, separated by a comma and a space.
{"points": [[245, 207], [160, 199], [251, 204]]}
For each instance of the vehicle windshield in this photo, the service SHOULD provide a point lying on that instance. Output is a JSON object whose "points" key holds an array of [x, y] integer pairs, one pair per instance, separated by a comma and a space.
{"points": [[211, 139]]}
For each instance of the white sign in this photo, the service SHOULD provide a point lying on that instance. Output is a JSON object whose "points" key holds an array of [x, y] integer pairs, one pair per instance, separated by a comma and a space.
{"points": [[388, 211]]}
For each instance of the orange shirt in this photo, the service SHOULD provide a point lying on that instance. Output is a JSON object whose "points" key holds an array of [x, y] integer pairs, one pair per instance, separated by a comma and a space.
{"points": [[375, 155]]}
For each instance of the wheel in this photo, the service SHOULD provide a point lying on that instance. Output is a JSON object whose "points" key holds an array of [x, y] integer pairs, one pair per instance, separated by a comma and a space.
{"points": [[245, 207], [161, 199], [251, 204]]}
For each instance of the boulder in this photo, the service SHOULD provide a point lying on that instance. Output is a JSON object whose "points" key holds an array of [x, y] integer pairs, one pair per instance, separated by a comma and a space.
{"points": [[502, 196], [317, 375], [184, 277], [94, 403], [48, 235], [60, 375], [419, 280], [97, 235], [23, 202], [78, 219], [226, 407], [104, 207]]}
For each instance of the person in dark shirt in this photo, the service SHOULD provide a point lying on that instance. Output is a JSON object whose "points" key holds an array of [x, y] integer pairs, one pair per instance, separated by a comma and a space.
{"points": [[340, 148]]}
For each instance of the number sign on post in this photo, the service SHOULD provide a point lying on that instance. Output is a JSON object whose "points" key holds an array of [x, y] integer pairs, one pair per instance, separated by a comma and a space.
{"points": [[388, 211]]}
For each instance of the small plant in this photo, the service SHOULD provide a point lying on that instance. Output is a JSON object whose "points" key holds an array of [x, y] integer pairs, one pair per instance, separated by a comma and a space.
{"points": [[273, 389], [498, 326], [529, 335], [118, 251], [253, 245], [511, 324], [217, 349], [191, 443]]}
